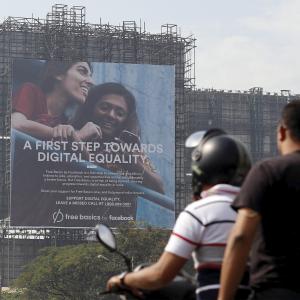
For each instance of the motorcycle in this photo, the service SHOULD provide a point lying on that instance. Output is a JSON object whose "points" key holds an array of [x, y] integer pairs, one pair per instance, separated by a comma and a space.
{"points": [[181, 288]]}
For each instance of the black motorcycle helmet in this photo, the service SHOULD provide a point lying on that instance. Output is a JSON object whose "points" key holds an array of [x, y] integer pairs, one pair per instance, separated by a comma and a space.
{"points": [[217, 158]]}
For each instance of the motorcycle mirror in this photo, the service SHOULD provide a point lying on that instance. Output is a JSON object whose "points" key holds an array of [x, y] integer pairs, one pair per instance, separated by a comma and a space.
{"points": [[106, 237], [194, 139]]}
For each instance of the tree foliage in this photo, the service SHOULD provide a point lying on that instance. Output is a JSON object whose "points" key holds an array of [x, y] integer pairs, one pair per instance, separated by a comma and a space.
{"points": [[80, 272]]}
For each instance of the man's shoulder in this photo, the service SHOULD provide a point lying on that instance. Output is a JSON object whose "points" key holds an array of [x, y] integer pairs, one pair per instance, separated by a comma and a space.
{"points": [[211, 209], [278, 162], [208, 202], [272, 171]]}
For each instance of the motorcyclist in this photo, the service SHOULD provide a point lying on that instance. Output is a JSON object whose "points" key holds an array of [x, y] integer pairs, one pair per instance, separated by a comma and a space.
{"points": [[219, 166]]}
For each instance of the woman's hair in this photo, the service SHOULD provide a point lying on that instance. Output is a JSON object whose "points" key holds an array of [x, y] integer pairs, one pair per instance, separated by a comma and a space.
{"points": [[86, 111], [52, 69]]}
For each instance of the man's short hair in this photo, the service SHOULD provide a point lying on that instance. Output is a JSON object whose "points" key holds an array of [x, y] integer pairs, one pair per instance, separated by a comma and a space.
{"points": [[291, 118]]}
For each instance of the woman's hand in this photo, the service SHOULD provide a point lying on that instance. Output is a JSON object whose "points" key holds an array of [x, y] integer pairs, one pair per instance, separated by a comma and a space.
{"points": [[63, 132], [90, 131]]}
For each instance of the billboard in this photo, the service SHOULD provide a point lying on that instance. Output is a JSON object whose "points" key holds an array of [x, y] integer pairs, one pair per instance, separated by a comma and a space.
{"points": [[92, 142]]}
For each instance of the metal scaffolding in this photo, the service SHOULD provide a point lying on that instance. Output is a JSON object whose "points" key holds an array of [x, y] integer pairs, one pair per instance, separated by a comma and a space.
{"points": [[251, 116], [65, 35]]}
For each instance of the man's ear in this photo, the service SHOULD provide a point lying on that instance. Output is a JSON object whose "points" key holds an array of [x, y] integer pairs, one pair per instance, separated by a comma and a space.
{"points": [[282, 133]]}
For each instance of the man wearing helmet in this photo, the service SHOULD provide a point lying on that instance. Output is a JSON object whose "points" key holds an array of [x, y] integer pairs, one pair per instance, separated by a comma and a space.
{"points": [[219, 165], [268, 220]]}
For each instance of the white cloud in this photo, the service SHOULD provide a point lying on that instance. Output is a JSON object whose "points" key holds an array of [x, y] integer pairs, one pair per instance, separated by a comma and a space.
{"points": [[281, 20], [240, 44], [264, 53]]}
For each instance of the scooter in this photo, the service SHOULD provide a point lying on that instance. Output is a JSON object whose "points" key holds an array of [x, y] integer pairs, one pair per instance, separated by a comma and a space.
{"points": [[181, 288]]}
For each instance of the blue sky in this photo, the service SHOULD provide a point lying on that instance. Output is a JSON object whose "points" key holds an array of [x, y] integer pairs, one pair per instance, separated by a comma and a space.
{"points": [[240, 44]]}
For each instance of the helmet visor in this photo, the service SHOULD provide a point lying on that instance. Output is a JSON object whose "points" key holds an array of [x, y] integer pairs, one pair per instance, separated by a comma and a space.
{"points": [[194, 139]]}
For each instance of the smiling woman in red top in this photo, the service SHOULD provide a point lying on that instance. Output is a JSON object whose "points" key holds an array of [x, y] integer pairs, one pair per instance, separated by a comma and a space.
{"points": [[45, 111]]}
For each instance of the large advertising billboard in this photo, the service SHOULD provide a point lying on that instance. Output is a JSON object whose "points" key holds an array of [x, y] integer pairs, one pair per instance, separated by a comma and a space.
{"points": [[92, 142]]}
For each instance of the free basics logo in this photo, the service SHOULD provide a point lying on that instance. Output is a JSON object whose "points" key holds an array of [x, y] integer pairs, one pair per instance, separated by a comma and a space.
{"points": [[57, 216]]}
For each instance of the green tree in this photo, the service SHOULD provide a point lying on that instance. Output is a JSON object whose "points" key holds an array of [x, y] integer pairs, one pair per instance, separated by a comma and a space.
{"points": [[12, 295], [80, 272]]}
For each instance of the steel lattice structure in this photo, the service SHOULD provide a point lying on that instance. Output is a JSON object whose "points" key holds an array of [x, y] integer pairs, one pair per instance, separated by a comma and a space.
{"points": [[64, 35]]}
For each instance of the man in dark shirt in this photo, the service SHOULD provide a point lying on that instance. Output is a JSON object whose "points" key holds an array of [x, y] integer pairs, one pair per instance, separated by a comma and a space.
{"points": [[268, 220]]}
